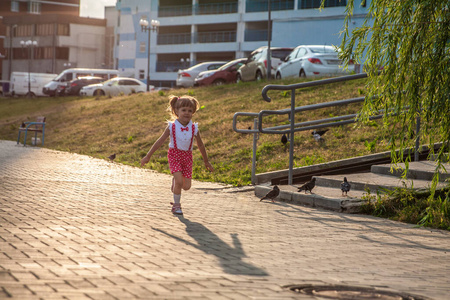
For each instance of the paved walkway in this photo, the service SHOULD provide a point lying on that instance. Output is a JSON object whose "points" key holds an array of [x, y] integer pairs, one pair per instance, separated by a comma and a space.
{"points": [[75, 227]]}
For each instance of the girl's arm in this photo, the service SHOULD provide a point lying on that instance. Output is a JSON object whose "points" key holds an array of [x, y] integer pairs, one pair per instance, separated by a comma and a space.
{"points": [[156, 146], [202, 149]]}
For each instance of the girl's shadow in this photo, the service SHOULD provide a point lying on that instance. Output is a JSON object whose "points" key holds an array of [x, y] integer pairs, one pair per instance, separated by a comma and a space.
{"points": [[230, 258]]}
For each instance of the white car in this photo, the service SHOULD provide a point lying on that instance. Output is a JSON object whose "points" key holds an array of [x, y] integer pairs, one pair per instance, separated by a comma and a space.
{"points": [[315, 60], [114, 87], [186, 78]]}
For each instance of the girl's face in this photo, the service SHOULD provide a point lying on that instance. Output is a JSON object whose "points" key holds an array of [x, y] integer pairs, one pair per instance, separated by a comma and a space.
{"points": [[184, 114]]}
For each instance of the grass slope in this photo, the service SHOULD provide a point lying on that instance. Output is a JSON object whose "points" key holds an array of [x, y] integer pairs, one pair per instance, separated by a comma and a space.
{"points": [[129, 125]]}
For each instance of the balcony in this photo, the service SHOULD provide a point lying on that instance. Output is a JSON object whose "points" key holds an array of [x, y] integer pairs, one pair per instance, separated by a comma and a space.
{"points": [[306, 4], [199, 37], [262, 5], [216, 37], [198, 9], [174, 38]]}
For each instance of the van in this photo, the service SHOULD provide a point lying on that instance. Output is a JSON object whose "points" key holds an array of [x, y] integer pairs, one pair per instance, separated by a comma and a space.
{"points": [[70, 74], [19, 83]]}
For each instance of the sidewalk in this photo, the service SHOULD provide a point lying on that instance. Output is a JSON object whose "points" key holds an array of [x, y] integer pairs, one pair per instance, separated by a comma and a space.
{"points": [[75, 227]]}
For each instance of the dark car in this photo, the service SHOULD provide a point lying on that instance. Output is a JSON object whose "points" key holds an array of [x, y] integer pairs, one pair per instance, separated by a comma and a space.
{"points": [[225, 74], [73, 87]]}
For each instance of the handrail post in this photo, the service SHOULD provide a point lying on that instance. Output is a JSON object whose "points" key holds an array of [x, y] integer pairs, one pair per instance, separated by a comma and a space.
{"points": [[291, 142], [255, 138]]}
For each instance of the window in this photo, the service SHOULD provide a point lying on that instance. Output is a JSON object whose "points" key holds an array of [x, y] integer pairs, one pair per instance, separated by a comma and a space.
{"points": [[24, 30], [34, 7], [141, 74], [142, 47], [45, 29], [63, 29], [316, 3], [62, 53], [15, 6]]}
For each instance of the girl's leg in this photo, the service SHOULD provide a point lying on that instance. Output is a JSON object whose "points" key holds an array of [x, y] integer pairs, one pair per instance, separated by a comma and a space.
{"points": [[186, 183], [177, 183]]}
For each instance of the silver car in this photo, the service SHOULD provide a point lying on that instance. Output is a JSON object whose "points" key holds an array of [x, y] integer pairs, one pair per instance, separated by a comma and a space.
{"points": [[315, 60], [255, 68], [186, 78]]}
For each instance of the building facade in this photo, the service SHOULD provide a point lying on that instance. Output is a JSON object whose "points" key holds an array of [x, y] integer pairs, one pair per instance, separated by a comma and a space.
{"points": [[62, 38], [30, 7], [194, 31]]}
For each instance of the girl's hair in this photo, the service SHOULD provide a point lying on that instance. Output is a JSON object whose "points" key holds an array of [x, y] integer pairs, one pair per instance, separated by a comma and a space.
{"points": [[176, 102]]}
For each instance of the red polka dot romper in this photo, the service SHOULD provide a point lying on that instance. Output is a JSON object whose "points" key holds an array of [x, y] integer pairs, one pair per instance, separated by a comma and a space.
{"points": [[180, 147]]}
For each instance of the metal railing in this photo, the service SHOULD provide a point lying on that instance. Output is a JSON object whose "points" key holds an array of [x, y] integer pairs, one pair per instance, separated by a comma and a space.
{"points": [[262, 5], [198, 9], [301, 126]]}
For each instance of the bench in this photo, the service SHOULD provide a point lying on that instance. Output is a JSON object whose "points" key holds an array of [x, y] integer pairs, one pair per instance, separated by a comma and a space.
{"points": [[38, 126]]}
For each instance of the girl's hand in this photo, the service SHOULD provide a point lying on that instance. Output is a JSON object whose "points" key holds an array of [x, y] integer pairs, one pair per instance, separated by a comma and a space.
{"points": [[209, 166], [144, 160]]}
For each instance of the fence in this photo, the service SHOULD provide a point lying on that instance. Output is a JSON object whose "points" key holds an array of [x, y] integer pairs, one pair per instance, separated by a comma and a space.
{"points": [[302, 126]]}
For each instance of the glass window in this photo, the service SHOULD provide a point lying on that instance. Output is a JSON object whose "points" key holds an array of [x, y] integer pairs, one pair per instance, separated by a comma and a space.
{"points": [[142, 47], [44, 29], [15, 6], [24, 30], [63, 29], [301, 52], [141, 74], [34, 7]]}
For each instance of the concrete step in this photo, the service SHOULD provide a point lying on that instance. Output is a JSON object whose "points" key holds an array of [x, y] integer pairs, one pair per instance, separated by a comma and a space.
{"points": [[422, 170], [371, 181], [327, 192], [322, 197]]}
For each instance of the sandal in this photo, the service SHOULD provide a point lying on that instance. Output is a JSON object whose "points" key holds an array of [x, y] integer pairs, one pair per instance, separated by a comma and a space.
{"points": [[176, 208]]}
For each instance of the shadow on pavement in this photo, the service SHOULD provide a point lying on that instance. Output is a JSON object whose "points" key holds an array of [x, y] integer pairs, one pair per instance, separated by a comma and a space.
{"points": [[230, 258]]}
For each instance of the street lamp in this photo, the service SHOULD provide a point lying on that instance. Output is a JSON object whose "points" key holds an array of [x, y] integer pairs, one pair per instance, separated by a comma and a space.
{"points": [[29, 44], [145, 27]]}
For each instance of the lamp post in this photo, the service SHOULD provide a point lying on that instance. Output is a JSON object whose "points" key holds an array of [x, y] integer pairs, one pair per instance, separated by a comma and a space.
{"points": [[29, 44], [146, 27]]}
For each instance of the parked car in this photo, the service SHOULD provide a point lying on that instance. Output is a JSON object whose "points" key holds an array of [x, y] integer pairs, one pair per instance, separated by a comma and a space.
{"points": [[67, 75], [314, 60], [255, 68], [225, 74], [114, 87], [186, 78], [73, 87]]}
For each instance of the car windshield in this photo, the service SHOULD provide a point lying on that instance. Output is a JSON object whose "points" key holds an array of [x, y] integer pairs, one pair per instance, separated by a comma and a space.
{"points": [[322, 49], [281, 53], [228, 64]]}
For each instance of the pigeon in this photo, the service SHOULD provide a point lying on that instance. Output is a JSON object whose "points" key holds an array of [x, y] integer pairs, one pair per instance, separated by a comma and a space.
{"points": [[345, 187], [318, 135], [112, 157], [284, 139], [272, 194], [319, 132], [308, 186]]}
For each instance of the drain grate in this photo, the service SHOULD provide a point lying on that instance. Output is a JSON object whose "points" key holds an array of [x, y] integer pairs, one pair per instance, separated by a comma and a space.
{"points": [[349, 292]]}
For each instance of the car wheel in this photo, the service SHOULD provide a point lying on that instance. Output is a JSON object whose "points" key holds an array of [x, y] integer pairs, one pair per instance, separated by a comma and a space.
{"points": [[258, 75], [278, 76], [302, 73], [99, 93], [238, 78], [219, 82]]}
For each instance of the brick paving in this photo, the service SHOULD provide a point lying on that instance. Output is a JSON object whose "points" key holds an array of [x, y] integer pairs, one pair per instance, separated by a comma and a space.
{"points": [[75, 227]]}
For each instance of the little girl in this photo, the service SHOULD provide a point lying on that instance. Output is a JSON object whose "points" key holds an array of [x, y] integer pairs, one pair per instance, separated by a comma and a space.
{"points": [[182, 133]]}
